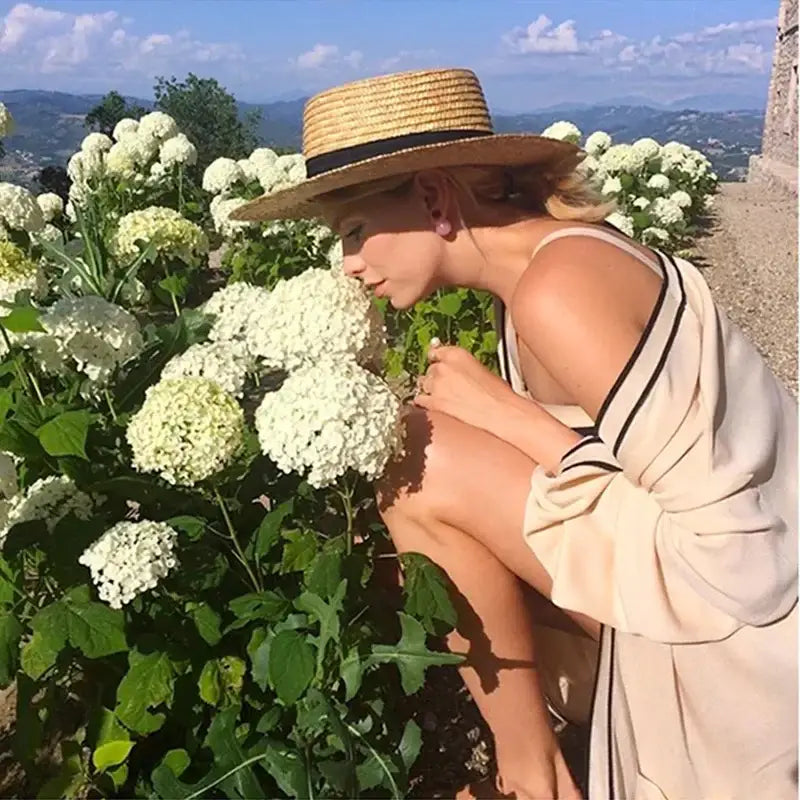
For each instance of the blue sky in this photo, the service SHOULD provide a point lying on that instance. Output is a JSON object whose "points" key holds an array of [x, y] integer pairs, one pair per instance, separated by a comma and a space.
{"points": [[527, 54]]}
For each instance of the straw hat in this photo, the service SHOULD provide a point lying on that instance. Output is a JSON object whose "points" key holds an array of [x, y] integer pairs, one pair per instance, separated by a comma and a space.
{"points": [[392, 124]]}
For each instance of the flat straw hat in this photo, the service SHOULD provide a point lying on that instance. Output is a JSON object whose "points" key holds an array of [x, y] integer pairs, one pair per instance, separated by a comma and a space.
{"points": [[393, 124]]}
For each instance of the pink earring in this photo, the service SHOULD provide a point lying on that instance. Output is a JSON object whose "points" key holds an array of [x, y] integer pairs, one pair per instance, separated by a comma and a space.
{"points": [[443, 227]]}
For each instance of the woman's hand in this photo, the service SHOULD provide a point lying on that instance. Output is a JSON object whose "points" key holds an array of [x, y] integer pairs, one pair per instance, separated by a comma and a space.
{"points": [[456, 383]]}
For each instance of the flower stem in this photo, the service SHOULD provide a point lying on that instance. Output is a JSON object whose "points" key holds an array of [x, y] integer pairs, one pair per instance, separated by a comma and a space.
{"points": [[347, 502], [110, 403], [237, 547]]}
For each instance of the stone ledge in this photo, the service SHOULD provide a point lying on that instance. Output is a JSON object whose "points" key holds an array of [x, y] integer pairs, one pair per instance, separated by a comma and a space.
{"points": [[775, 174]]}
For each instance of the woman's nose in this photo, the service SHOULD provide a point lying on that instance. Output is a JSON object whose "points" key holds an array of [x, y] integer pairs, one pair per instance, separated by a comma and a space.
{"points": [[352, 266]]}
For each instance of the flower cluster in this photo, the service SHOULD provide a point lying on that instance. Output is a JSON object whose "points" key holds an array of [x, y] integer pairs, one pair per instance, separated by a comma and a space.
{"points": [[88, 334], [49, 499], [174, 236], [51, 204], [186, 430], [221, 175], [329, 417], [232, 307], [18, 272], [225, 362], [566, 131], [177, 150], [314, 314], [19, 210], [129, 559], [6, 121], [220, 208]]}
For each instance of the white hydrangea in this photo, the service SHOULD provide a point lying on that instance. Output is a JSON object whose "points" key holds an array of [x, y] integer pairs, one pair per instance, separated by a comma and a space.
{"points": [[248, 169], [612, 186], [224, 362], [8, 476], [50, 233], [566, 131], [86, 165], [641, 202], [187, 430], [6, 121], [125, 127], [674, 156], [665, 211], [656, 235], [708, 202], [681, 199], [336, 256], [221, 174], [178, 150], [221, 208], [328, 417], [649, 148], [597, 143], [621, 222], [158, 125], [18, 273], [622, 158], [96, 141], [120, 160], [659, 182], [262, 157], [89, 334], [19, 210], [142, 147], [174, 236], [49, 499], [284, 172], [590, 167], [232, 306], [313, 314], [51, 204], [129, 559]]}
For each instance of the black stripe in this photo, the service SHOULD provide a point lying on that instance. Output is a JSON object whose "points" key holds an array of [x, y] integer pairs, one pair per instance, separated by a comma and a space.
{"points": [[639, 346], [661, 361], [603, 464], [588, 430], [335, 159], [603, 629], [609, 727], [578, 445]]}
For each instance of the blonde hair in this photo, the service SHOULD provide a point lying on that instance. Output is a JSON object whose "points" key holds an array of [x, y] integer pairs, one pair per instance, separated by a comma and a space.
{"points": [[495, 192]]}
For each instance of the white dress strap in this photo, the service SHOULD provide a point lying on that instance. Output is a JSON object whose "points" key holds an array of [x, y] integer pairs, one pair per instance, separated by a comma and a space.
{"points": [[597, 233]]}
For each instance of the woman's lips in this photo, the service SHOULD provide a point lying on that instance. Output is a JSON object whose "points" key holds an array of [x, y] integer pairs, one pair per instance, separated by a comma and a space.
{"points": [[377, 289]]}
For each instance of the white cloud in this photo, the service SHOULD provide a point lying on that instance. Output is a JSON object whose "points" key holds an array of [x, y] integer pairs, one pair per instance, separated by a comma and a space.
{"points": [[541, 37], [408, 59], [714, 31], [24, 22], [326, 55]]}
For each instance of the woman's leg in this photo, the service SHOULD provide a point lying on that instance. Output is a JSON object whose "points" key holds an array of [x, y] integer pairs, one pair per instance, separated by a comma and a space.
{"points": [[448, 464]]}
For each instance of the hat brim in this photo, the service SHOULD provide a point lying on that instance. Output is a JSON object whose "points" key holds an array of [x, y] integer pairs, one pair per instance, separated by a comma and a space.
{"points": [[511, 149]]}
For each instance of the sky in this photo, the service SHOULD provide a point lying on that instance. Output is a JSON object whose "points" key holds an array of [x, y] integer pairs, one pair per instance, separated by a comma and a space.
{"points": [[528, 54]]}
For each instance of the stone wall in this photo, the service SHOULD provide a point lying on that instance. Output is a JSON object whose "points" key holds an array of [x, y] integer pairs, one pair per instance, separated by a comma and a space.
{"points": [[777, 164]]}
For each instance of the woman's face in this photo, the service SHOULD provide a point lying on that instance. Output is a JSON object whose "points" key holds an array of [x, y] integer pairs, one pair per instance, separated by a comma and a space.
{"points": [[391, 246]]}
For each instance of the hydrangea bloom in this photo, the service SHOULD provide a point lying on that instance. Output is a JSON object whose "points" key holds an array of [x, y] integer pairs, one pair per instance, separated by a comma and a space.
{"points": [[566, 131], [622, 158], [285, 171], [18, 209], [178, 150], [674, 156], [336, 256], [186, 430], [641, 202], [125, 127], [221, 174], [262, 157], [96, 141], [18, 272], [120, 160], [174, 235], [49, 499], [6, 121], [158, 125], [612, 186], [314, 314], [142, 147], [86, 165], [129, 559], [329, 417], [681, 199], [667, 212], [649, 148], [8, 476], [655, 235], [597, 143], [221, 208], [51, 204], [87, 333], [232, 306], [248, 169], [658, 182], [225, 362], [50, 233], [621, 222]]}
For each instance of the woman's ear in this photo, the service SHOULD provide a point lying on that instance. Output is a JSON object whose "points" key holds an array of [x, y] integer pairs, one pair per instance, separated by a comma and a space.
{"points": [[434, 190]]}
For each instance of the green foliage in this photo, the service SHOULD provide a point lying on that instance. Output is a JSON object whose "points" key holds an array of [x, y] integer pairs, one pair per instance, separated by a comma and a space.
{"points": [[112, 108]]}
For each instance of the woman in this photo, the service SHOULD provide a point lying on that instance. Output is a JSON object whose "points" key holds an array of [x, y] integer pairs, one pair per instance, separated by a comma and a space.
{"points": [[638, 477]]}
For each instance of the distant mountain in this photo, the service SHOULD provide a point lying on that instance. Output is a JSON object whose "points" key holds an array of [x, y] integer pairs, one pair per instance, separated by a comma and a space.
{"points": [[50, 126]]}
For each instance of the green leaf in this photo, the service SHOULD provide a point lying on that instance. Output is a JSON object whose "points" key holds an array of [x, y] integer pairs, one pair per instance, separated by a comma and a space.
{"points": [[411, 655], [111, 754], [288, 769], [66, 434], [106, 728], [221, 680], [175, 284], [193, 527], [207, 621], [149, 682], [22, 319], [449, 304], [258, 650], [410, 744], [291, 665], [228, 753], [177, 761], [325, 571], [70, 778], [10, 634], [269, 531], [299, 551], [38, 655], [269, 606], [326, 614], [426, 591], [352, 672]]}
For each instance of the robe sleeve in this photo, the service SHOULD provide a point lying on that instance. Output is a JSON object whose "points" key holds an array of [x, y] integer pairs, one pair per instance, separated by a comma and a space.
{"points": [[676, 520]]}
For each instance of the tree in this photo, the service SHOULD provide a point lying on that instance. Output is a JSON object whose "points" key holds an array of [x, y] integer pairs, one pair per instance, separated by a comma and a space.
{"points": [[54, 179], [207, 113], [109, 111]]}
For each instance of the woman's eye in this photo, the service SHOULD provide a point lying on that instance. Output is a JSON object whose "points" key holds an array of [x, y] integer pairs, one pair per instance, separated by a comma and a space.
{"points": [[354, 231]]}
